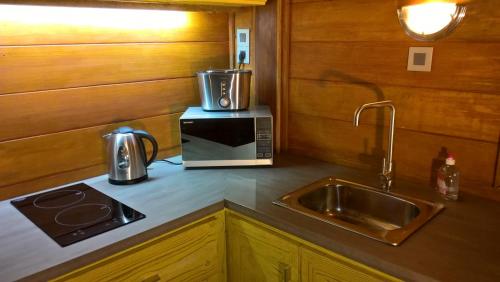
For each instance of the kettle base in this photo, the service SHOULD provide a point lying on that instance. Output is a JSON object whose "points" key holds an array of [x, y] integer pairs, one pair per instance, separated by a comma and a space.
{"points": [[127, 182]]}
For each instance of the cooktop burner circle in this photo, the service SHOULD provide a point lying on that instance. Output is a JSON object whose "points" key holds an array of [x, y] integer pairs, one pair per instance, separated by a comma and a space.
{"points": [[84, 214], [59, 199]]}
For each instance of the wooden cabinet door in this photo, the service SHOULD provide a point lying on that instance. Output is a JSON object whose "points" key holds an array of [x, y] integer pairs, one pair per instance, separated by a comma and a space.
{"points": [[191, 253], [257, 254], [321, 267]]}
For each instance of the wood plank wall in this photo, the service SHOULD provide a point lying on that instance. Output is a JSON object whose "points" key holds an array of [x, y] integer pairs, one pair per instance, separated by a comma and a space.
{"points": [[62, 86], [245, 18], [261, 21], [348, 52], [266, 66]]}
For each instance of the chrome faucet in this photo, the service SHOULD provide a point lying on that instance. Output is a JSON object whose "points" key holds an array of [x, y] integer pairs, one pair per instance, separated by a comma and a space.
{"points": [[386, 175]]}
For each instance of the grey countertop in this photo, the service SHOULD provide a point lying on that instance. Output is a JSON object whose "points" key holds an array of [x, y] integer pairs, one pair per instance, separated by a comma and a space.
{"points": [[458, 245]]}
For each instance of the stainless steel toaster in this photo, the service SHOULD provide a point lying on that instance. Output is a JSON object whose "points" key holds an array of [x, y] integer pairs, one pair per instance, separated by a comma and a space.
{"points": [[224, 90]]}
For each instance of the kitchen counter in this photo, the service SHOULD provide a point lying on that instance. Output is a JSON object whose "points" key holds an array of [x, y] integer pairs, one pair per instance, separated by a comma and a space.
{"points": [[458, 245]]}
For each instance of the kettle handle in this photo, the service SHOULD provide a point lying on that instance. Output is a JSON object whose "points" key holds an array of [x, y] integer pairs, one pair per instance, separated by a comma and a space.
{"points": [[144, 135]]}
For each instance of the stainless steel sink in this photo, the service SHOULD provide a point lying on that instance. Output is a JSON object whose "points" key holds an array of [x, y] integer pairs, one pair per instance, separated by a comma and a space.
{"points": [[382, 216]]}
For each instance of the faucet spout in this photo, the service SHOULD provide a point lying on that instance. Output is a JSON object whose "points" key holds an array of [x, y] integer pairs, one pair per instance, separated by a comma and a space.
{"points": [[386, 175]]}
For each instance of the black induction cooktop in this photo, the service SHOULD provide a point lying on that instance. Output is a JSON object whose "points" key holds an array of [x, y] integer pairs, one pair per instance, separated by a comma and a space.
{"points": [[75, 213]]}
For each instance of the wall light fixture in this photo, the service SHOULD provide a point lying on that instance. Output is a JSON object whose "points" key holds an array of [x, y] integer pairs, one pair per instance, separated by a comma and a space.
{"points": [[430, 21]]}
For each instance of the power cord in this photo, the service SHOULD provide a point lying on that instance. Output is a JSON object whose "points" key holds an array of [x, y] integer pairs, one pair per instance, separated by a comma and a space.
{"points": [[168, 161], [241, 58]]}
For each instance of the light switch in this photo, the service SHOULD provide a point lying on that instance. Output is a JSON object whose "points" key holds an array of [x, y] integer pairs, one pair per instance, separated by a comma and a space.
{"points": [[420, 59], [243, 44]]}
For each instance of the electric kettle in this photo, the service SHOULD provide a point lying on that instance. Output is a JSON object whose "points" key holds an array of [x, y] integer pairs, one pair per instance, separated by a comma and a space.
{"points": [[127, 160]]}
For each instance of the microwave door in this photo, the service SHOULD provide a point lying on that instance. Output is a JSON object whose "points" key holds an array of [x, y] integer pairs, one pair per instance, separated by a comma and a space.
{"points": [[218, 139]]}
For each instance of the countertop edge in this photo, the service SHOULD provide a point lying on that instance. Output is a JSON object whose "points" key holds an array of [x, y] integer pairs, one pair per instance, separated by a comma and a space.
{"points": [[281, 224], [301, 233], [122, 245]]}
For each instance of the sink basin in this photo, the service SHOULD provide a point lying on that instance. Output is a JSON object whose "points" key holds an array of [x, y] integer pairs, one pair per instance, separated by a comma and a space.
{"points": [[382, 216]]}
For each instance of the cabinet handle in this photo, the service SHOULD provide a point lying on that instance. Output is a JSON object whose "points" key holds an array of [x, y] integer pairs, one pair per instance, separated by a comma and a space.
{"points": [[284, 270], [152, 278]]}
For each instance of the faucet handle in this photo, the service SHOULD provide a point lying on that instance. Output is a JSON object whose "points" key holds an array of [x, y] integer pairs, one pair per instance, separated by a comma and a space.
{"points": [[385, 182], [385, 176]]}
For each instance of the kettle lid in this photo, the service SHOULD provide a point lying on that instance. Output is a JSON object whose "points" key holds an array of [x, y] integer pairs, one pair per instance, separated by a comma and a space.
{"points": [[123, 130]]}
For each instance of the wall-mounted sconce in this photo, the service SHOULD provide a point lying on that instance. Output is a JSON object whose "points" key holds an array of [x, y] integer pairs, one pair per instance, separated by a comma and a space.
{"points": [[430, 21]]}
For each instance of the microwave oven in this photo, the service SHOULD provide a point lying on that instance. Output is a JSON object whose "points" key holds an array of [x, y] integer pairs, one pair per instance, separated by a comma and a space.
{"points": [[242, 138]]}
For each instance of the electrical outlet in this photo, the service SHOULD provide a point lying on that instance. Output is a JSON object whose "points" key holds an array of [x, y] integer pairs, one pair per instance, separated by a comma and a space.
{"points": [[243, 44]]}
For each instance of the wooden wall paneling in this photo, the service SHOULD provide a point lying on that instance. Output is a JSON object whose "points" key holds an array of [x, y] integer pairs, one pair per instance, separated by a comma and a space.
{"points": [[48, 181], [40, 157], [339, 21], [396, 2], [32, 68], [366, 20], [265, 49], [245, 18], [199, 27], [65, 177], [283, 72], [335, 141], [232, 39], [63, 85], [414, 152], [460, 114], [254, 99], [496, 182], [474, 69], [479, 23], [346, 53], [267, 20], [60, 110]]}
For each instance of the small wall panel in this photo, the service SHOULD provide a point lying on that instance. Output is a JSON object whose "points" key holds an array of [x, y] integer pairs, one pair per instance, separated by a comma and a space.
{"points": [[33, 68], [54, 111]]}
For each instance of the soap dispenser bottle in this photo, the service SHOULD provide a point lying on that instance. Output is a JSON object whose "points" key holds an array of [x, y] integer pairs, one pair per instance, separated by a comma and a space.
{"points": [[448, 178]]}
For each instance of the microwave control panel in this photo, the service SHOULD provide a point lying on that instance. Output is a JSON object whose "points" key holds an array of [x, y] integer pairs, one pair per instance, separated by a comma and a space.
{"points": [[264, 137]]}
